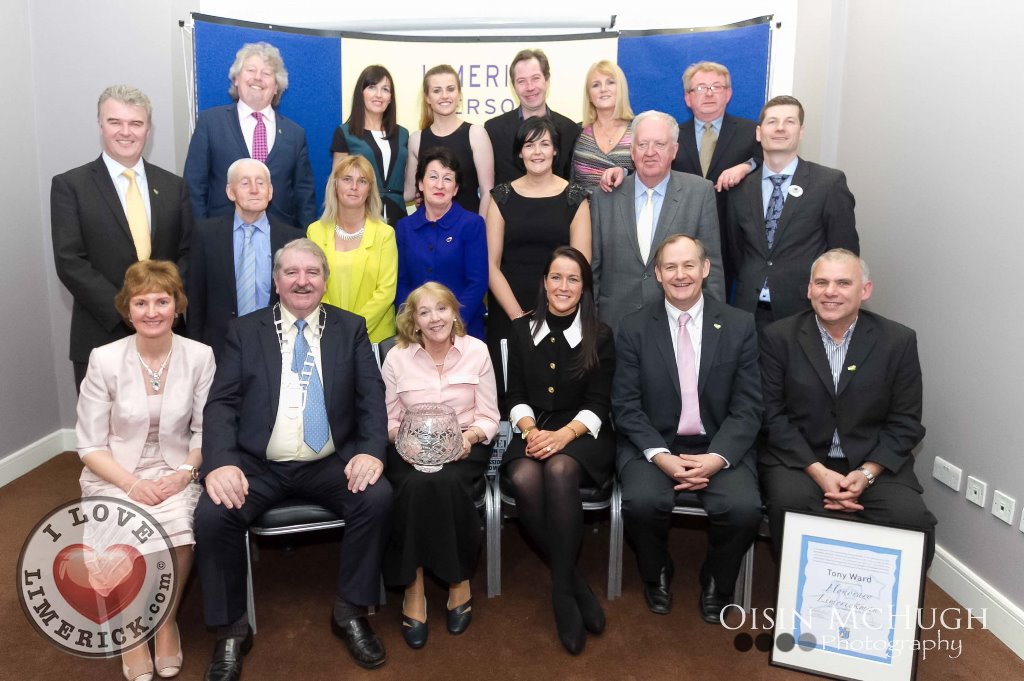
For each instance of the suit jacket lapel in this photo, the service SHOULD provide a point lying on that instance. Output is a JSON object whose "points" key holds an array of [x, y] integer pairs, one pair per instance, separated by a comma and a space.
{"points": [[861, 345], [725, 136], [710, 334], [792, 204], [627, 215], [236, 130], [226, 237], [658, 328], [279, 140], [330, 346], [755, 200], [105, 188], [271, 358], [362, 254], [159, 196], [810, 343], [688, 143], [669, 207]]}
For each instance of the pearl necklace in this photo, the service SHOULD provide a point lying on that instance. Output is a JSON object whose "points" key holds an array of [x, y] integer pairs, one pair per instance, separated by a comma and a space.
{"points": [[347, 236], [154, 376]]}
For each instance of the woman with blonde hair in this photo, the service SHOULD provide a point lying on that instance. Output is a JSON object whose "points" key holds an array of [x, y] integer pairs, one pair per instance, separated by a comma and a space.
{"points": [[360, 247], [435, 524], [607, 125], [441, 127]]}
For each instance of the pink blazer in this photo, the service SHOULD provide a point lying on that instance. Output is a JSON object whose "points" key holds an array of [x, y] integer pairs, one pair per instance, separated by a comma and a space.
{"points": [[112, 406]]}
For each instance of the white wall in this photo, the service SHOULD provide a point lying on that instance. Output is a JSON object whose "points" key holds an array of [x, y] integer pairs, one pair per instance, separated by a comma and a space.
{"points": [[930, 139]]}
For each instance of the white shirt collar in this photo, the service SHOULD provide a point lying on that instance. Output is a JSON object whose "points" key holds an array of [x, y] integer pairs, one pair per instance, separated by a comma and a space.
{"points": [[115, 169], [696, 313], [573, 334], [245, 112], [312, 321]]}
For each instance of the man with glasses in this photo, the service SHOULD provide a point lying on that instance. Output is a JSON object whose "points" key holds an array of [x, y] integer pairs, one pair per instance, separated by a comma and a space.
{"points": [[632, 220]]}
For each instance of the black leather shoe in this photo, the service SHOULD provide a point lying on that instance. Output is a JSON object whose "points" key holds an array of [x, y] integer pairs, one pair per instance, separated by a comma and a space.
{"points": [[569, 622], [658, 595], [460, 616], [363, 645], [413, 631], [226, 664], [712, 601], [590, 609]]}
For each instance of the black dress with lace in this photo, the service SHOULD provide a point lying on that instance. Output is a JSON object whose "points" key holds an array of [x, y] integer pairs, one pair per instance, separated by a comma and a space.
{"points": [[534, 227]]}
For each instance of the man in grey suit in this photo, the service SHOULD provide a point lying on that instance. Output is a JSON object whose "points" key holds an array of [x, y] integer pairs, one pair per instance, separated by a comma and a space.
{"points": [[782, 218], [631, 221]]}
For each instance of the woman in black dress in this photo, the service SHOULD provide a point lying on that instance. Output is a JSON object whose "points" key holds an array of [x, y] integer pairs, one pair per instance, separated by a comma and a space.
{"points": [[441, 127], [560, 367], [528, 218]]}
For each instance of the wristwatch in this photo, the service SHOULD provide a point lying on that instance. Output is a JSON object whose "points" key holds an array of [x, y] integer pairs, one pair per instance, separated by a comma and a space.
{"points": [[190, 469], [868, 475]]}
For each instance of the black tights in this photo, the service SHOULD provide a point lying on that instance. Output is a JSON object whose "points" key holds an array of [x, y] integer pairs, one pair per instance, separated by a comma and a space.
{"points": [[548, 499]]}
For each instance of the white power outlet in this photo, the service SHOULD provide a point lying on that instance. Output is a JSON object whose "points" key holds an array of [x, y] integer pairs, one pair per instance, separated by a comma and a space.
{"points": [[946, 473], [976, 491], [1003, 507]]}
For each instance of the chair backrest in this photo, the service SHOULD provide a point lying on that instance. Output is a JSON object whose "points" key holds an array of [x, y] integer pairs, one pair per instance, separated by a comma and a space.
{"points": [[504, 361]]}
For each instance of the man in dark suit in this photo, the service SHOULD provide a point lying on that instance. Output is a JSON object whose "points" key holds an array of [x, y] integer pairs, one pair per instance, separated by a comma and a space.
{"points": [[713, 144], [531, 76], [252, 128], [842, 397], [273, 429], [110, 213], [653, 203], [230, 261], [781, 219], [687, 404]]}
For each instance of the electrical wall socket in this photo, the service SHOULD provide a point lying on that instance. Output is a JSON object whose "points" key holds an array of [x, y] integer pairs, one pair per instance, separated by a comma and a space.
{"points": [[1003, 507], [946, 473], [976, 491]]}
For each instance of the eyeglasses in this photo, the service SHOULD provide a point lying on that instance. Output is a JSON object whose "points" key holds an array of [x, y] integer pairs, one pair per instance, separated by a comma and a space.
{"points": [[713, 89], [645, 145]]}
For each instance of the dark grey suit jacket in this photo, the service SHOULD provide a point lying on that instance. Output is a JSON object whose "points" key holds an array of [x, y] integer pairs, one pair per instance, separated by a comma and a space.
{"points": [[212, 296], [646, 398], [821, 218], [93, 246], [876, 409], [242, 406], [623, 283]]}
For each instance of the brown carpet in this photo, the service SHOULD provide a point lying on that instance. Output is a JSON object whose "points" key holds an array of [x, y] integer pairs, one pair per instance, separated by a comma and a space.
{"points": [[512, 636]]}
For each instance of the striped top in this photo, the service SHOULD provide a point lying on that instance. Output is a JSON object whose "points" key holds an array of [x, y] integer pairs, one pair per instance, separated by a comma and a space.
{"points": [[836, 354], [589, 162]]}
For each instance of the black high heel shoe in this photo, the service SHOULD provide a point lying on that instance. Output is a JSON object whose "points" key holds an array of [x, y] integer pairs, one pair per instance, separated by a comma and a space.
{"points": [[460, 616], [569, 622], [590, 608]]}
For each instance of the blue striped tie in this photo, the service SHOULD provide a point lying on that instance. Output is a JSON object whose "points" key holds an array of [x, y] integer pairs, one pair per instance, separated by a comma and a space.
{"points": [[246, 287], [314, 417], [775, 204]]}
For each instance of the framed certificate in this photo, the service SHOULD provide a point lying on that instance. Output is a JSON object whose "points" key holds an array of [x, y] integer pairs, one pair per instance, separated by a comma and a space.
{"points": [[849, 595]]}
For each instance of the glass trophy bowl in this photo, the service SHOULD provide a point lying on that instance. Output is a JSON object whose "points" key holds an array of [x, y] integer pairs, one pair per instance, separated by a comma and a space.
{"points": [[429, 437]]}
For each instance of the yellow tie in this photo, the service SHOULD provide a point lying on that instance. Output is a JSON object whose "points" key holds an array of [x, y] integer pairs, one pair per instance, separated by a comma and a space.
{"points": [[707, 148], [138, 223]]}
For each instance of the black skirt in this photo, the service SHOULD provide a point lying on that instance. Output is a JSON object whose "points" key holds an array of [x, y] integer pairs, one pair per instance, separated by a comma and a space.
{"points": [[595, 456], [435, 523]]}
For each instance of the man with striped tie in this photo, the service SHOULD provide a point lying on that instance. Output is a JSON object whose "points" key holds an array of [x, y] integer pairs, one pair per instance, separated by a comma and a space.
{"points": [[229, 275], [268, 435]]}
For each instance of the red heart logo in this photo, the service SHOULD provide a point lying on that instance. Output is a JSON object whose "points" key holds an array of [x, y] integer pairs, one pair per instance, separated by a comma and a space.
{"points": [[99, 584]]}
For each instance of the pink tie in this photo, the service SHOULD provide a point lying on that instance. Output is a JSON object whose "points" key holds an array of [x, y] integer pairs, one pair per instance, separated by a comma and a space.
{"points": [[259, 139], [689, 418]]}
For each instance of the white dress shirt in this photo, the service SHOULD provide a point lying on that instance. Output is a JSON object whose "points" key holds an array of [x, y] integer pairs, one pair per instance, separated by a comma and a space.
{"points": [[248, 123]]}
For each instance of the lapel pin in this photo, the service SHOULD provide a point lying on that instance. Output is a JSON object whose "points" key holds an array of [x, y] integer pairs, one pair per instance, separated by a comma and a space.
{"points": [[156, 192], [796, 190], [448, 240], [852, 367], [718, 326]]}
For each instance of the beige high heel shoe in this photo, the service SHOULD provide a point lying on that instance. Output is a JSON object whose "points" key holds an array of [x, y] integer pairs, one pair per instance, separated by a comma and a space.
{"points": [[168, 667], [144, 672]]}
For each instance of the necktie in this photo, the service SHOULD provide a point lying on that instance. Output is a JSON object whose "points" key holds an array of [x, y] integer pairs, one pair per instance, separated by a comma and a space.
{"points": [[689, 417], [246, 287], [138, 223], [314, 416], [259, 139], [775, 204], [707, 148], [645, 226]]}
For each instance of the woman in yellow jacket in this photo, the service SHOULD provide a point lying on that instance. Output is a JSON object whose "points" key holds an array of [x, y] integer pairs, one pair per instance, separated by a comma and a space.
{"points": [[360, 248]]}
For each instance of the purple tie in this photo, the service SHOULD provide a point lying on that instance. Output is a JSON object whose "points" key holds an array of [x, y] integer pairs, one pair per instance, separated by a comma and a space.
{"points": [[259, 139], [689, 417]]}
